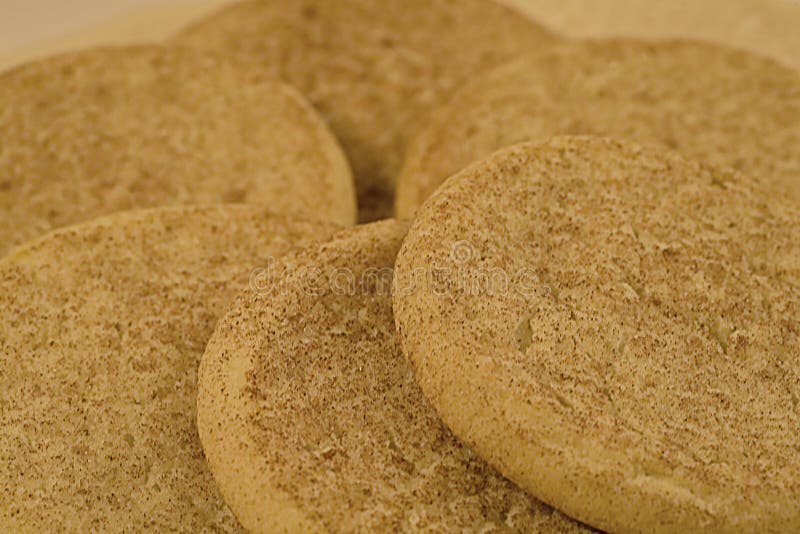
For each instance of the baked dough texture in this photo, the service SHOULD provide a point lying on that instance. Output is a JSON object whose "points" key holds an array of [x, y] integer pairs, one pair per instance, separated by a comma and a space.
{"points": [[373, 68], [102, 326], [312, 422], [614, 328], [719, 105], [102, 130]]}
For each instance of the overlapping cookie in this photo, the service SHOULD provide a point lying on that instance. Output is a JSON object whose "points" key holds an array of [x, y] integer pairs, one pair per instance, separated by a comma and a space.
{"points": [[719, 105], [373, 68], [311, 419], [102, 326], [103, 130], [615, 328]]}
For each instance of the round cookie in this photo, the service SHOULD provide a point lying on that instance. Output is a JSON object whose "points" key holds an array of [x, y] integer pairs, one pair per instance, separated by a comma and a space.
{"points": [[615, 329], [102, 326], [719, 105], [311, 420], [373, 68], [110, 129]]}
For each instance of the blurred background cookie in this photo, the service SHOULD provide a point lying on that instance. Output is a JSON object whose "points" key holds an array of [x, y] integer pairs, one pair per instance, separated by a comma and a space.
{"points": [[767, 27], [607, 324], [372, 68], [311, 419], [109, 129], [719, 105], [102, 326]]}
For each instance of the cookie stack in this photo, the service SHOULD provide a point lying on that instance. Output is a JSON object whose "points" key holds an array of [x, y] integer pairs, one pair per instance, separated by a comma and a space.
{"points": [[586, 315]]}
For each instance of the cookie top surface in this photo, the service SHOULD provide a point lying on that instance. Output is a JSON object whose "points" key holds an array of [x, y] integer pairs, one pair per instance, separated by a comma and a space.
{"points": [[110, 129], [311, 419], [102, 327], [719, 105], [372, 68], [610, 324]]}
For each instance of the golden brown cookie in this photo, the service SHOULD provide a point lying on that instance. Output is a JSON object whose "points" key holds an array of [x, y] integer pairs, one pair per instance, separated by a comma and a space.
{"points": [[312, 422], [373, 68], [615, 329], [102, 326], [719, 105], [109, 129]]}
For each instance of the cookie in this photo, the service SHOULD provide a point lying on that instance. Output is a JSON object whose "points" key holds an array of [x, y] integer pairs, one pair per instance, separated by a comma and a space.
{"points": [[373, 68], [311, 420], [102, 326], [615, 329], [110, 129], [723, 106]]}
